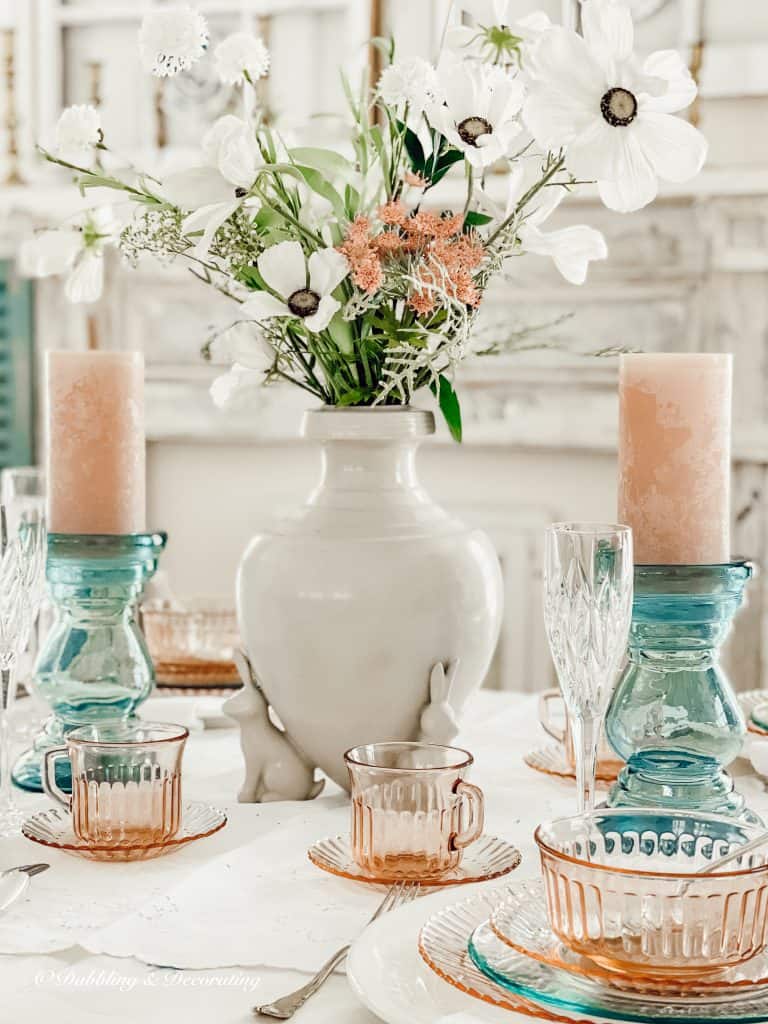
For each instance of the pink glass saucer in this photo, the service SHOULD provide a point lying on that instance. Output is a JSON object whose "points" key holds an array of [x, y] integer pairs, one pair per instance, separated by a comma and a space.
{"points": [[53, 828], [551, 760], [520, 920], [486, 858]]}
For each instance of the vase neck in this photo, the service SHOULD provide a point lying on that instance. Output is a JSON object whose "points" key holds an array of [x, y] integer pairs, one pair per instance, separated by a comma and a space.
{"points": [[383, 470]]}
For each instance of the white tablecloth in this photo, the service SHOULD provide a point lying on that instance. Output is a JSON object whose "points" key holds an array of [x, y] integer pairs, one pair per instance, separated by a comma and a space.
{"points": [[69, 984]]}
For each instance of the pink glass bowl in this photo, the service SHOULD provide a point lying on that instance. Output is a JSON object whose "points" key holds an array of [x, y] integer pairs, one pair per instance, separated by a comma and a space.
{"points": [[622, 889]]}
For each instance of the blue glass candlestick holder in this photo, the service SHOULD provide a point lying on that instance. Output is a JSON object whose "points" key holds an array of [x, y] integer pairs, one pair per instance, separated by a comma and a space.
{"points": [[94, 664], [674, 717]]}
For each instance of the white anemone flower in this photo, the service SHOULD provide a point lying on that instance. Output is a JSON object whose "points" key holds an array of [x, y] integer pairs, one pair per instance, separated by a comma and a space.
{"points": [[498, 31], [78, 132], [241, 57], [211, 193], [244, 345], [479, 115], [172, 40], [571, 249], [76, 250], [303, 287], [614, 119]]}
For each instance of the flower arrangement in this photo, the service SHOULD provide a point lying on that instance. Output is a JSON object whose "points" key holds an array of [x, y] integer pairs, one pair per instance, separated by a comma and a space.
{"points": [[349, 282]]}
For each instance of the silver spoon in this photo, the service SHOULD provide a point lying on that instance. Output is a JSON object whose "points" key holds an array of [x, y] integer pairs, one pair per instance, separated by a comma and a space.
{"points": [[21, 875]]}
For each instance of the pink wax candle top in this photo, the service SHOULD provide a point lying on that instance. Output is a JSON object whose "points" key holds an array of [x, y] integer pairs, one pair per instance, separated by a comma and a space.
{"points": [[96, 457], [675, 456]]}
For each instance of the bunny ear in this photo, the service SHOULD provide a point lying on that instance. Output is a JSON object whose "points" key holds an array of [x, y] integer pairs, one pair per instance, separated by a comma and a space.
{"points": [[438, 686], [453, 668]]}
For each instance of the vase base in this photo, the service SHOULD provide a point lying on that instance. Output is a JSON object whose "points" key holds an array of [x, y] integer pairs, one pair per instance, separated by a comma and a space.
{"points": [[28, 768], [680, 780]]}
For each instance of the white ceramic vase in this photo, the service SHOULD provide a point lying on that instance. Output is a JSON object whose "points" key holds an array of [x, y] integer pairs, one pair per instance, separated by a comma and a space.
{"points": [[370, 614]]}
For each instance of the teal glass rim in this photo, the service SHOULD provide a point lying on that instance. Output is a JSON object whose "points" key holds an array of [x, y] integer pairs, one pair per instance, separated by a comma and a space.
{"points": [[75, 543], [547, 987]]}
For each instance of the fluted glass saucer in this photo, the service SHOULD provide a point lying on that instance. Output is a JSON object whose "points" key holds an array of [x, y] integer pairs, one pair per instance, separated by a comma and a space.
{"points": [[551, 759], [486, 858], [557, 989], [521, 922], [443, 948], [53, 828]]}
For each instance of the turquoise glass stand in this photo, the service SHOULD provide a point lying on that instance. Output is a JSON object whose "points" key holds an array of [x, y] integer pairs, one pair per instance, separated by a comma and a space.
{"points": [[94, 664], [674, 717]]}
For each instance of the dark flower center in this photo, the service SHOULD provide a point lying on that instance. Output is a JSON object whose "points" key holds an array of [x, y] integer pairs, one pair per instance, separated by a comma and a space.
{"points": [[619, 107], [304, 302], [471, 128], [240, 193]]}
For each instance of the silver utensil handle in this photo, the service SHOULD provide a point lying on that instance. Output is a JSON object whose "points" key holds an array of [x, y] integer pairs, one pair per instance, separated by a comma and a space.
{"points": [[286, 1006]]}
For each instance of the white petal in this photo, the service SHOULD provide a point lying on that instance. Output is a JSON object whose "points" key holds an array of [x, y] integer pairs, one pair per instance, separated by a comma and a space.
{"points": [[262, 306], [199, 186], [243, 343], [572, 248], [635, 184], [608, 31], [237, 387], [209, 219], [86, 279], [562, 61], [555, 118], [284, 268], [49, 252], [327, 269], [239, 159], [325, 311], [675, 149], [597, 151], [220, 130], [670, 85]]}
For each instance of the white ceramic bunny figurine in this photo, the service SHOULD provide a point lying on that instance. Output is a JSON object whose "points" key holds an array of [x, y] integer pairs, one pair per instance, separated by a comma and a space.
{"points": [[274, 768], [439, 722]]}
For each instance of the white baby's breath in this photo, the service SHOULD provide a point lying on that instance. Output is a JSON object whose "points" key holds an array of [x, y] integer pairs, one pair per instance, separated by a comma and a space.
{"points": [[241, 57], [171, 40], [78, 132]]}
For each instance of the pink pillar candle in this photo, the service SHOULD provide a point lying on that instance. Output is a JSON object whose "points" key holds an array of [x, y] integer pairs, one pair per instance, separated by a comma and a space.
{"points": [[675, 456], [96, 459]]}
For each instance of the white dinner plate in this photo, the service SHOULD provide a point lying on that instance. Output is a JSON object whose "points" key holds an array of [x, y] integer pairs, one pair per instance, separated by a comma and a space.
{"points": [[389, 977]]}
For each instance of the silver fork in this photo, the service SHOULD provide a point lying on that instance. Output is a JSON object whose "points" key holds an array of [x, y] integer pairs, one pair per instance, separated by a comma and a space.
{"points": [[285, 1007]]}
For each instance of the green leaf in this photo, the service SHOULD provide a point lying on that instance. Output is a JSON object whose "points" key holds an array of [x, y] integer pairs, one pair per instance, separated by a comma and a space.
{"points": [[474, 219], [414, 150], [341, 332], [449, 405], [444, 164], [315, 180], [332, 164]]}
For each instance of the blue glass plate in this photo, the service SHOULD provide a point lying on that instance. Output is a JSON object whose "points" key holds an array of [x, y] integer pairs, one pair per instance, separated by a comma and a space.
{"points": [[550, 987]]}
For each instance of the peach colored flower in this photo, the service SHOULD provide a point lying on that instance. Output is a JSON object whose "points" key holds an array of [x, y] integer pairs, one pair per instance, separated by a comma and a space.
{"points": [[368, 275], [422, 302], [393, 212], [388, 243]]}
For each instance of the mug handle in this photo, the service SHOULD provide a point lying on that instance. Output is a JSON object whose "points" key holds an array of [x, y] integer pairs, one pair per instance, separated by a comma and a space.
{"points": [[545, 699], [472, 799], [50, 785]]}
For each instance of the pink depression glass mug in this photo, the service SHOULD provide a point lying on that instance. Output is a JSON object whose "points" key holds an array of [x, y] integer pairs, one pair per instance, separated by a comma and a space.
{"points": [[126, 782], [557, 725], [413, 813]]}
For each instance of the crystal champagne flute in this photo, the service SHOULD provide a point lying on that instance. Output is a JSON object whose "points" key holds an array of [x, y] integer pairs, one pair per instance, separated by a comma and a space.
{"points": [[588, 579], [22, 572]]}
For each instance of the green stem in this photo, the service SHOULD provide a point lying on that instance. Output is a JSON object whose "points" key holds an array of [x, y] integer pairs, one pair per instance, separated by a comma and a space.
{"points": [[548, 175]]}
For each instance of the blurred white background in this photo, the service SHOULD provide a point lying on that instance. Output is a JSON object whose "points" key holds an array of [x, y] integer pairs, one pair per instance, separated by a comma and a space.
{"points": [[689, 272]]}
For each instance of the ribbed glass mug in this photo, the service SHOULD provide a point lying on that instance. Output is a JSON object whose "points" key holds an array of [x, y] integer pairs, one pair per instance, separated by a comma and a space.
{"points": [[126, 782], [413, 813]]}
